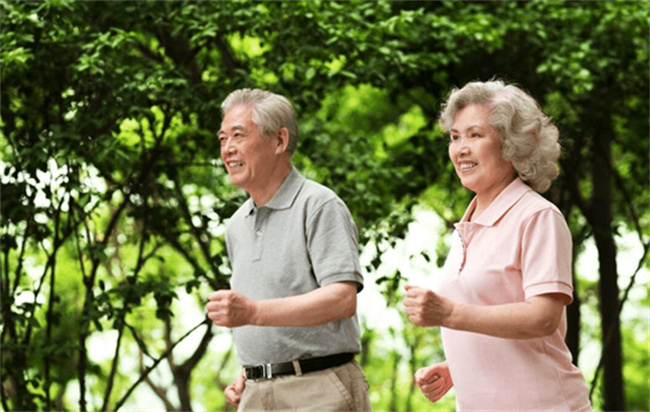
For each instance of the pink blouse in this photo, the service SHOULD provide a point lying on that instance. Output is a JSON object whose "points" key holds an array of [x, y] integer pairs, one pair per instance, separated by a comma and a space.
{"points": [[518, 248]]}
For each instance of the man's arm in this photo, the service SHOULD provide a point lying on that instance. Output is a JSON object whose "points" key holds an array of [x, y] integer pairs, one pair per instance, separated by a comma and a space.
{"points": [[234, 391], [317, 307]]}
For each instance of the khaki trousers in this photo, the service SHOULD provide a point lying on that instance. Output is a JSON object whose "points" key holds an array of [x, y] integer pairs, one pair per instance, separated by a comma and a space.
{"points": [[343, 388]]}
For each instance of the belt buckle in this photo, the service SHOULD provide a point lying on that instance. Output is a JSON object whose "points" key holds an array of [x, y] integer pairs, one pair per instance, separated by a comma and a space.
{"points": [[267, 371]]}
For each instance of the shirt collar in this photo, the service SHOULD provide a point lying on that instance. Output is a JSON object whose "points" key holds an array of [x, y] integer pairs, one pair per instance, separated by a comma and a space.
{"points": [[504, 201], [286, 194]]}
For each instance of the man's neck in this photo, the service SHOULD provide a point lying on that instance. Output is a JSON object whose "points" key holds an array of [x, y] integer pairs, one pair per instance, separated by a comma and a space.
{"points": [[264, 194]]}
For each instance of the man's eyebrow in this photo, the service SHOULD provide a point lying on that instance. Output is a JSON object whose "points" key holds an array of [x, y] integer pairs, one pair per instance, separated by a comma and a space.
{"points": [[236, 127]]}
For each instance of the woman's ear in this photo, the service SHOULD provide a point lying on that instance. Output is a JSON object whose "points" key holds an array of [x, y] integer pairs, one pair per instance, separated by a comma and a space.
{"points": [[282, 144]]}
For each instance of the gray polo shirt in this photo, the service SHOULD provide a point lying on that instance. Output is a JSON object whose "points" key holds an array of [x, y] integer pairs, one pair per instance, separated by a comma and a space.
{"points": [[303, 239]]}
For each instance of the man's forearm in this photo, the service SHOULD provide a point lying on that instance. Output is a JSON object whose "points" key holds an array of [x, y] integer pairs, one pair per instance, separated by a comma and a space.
{"points": [[318, 307]]}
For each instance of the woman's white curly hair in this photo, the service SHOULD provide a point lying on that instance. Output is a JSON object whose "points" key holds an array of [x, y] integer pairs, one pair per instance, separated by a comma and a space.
{"points": [[529, 139]]}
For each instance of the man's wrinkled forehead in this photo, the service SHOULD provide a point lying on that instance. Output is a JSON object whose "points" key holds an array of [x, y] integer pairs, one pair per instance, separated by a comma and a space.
{"points": [[238, 118]]}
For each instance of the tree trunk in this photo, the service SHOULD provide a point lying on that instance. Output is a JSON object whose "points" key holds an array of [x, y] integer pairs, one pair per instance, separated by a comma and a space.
{"points": [[601, 216], [572, 338], [562, 197]]}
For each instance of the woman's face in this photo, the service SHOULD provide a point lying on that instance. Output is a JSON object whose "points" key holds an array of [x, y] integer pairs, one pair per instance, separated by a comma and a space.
{"points": [[476, 152]]}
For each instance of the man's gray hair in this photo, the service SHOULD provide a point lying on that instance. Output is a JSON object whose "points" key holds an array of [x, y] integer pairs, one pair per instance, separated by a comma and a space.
{"points": [[270, 112], [529, 139]]}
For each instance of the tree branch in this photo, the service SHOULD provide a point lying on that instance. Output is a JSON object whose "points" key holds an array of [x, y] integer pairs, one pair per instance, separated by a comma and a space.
{"points": [[227, 56], [204, 246], [225, 360], [148, 370], [88, 283], [50, 308], [610, 333], [157, 390], [121, 319]]}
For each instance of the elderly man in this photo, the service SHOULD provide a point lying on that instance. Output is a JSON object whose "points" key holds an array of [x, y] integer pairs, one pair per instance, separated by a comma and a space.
{"points": [[296, 272]]}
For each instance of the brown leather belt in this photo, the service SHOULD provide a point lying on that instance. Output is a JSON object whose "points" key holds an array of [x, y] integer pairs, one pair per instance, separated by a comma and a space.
{"points": [[270, 371]]}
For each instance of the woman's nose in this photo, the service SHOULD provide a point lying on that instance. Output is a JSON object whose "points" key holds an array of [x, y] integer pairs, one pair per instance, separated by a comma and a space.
{"points": [[463, 145]]}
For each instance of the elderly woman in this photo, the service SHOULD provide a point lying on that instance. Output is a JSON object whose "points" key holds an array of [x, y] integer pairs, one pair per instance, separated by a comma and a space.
{"points": [[507, 278]]}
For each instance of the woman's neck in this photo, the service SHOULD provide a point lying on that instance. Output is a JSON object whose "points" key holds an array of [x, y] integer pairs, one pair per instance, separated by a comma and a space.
{"points": [[484, 200]]}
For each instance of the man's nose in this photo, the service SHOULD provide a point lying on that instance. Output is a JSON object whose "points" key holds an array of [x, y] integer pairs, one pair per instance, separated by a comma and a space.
{"points": [[228, 146]]}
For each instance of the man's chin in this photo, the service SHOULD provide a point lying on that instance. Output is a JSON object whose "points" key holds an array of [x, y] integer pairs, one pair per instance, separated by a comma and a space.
{"points": [[236, 179]]}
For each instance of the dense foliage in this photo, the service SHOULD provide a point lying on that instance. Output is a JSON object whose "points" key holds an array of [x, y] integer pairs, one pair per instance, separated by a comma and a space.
{"points": [[114, 198]]}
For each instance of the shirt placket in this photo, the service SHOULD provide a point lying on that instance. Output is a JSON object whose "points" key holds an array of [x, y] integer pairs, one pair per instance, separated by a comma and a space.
{"points": [[258, 229], [466, 231], [464, 252]]}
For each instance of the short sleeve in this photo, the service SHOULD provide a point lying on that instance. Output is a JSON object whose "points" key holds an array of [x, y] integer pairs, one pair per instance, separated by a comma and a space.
{"points": [[332, 244], [546, 255]]}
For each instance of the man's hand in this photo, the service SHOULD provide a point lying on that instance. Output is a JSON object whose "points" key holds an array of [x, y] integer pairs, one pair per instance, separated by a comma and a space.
{"points": [[234, 391], [231, 309], [434, 381], [426, 308]]}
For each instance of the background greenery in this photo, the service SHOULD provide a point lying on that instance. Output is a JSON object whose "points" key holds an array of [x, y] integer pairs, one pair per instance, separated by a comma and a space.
{"points": [[114, 197]]}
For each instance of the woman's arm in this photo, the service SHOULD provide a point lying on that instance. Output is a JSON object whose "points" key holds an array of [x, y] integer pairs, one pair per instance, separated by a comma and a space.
{"points": [[538, 316]]}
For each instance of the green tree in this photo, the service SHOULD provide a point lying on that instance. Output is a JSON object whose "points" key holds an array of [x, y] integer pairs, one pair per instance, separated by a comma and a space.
{"points": [[114, 199]]}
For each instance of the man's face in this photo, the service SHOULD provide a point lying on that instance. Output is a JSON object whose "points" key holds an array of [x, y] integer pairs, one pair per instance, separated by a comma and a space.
{"points": [[246, 153]]}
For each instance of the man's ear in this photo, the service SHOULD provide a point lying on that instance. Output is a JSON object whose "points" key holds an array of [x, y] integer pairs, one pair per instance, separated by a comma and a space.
{"points": [[282, 142]]}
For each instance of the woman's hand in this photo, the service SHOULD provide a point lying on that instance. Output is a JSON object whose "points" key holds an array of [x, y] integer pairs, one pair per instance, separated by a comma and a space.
{"points": [[426, 308], [234, 391], [434, 381]]}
